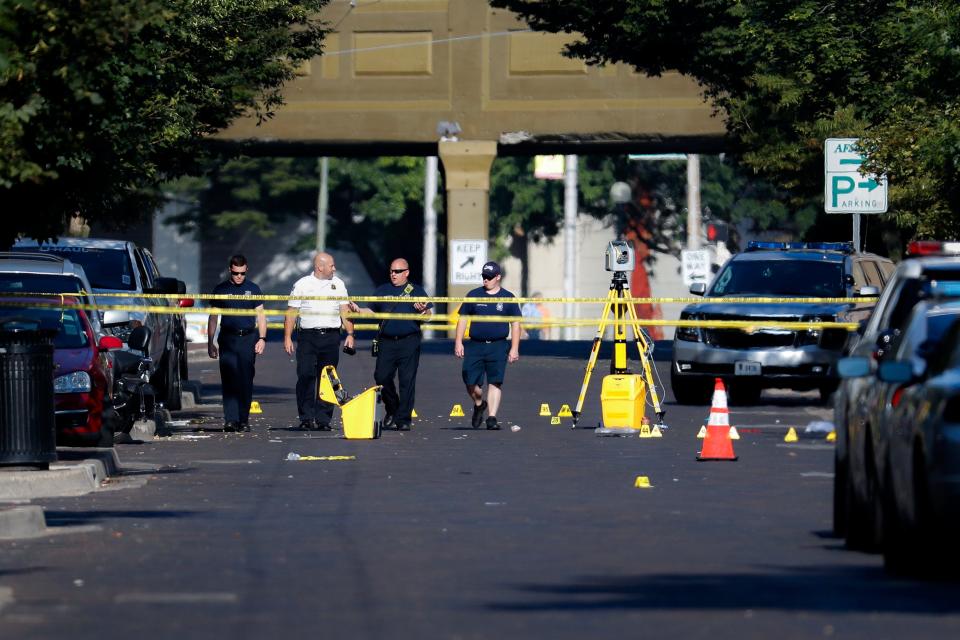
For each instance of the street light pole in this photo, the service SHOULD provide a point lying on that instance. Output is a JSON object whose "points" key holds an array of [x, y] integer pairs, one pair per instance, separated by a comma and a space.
{"points": [[430, 230], [693, 201]]}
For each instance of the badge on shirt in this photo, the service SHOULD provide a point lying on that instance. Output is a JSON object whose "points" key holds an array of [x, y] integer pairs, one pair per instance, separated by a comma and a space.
{"points": [[333, 286], [248, 292], [499, 306]]}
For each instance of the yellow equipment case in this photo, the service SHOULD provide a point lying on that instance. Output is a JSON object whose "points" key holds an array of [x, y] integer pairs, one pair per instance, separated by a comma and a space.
{"points": [[623, 401], [362, 415]]}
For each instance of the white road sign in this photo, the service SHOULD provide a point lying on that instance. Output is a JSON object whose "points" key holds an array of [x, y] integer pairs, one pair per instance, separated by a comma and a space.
{"points": [[695, 266], [466, 259], [846, 191]]}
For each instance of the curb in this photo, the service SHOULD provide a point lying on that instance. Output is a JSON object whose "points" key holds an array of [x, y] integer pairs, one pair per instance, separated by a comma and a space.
{"points": [[22, 522], [78, 471], [58, 481]]}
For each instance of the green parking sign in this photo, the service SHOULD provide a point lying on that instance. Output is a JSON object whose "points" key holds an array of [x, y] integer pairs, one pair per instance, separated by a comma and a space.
{"points": [[846, 190]]}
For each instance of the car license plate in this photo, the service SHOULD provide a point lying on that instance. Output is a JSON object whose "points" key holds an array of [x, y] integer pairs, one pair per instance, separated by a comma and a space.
{"points": [[746, 368]]}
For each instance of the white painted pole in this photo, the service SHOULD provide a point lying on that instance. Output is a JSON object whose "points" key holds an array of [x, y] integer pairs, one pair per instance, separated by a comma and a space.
{"points": [[856, 232], [570, 210], [430, 230], [693, 201], [323, 204]]}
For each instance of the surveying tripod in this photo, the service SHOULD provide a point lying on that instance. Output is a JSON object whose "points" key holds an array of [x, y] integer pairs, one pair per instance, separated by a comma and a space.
{"points": [[623, 313]]}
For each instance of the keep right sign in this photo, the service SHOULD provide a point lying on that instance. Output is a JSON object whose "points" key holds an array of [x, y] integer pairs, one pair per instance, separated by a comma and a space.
{"points": [[846, 191]]}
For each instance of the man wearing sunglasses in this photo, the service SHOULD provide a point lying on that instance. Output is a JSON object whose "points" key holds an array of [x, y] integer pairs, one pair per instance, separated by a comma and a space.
{"points": [[398, 344], [487, 352], [242, 339]]}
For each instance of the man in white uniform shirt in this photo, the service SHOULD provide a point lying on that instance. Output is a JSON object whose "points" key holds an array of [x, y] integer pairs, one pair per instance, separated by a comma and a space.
{"points": [[318, 339]]}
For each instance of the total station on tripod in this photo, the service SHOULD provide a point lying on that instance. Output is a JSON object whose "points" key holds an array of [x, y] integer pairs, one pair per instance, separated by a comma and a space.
{"points": [[619, 256], [624, 394]]}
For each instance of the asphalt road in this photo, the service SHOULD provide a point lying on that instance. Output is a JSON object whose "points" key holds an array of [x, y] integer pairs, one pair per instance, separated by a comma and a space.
{"points": [[447, 532]]}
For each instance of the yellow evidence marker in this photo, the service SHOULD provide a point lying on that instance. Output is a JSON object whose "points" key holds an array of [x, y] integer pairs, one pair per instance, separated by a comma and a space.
{"points": [[642, 482], [702, 433], [456, 412], [255, 407], [545, 410], [832, 436], [555, 420], [413, 414], [565, 412], [791, 436]]}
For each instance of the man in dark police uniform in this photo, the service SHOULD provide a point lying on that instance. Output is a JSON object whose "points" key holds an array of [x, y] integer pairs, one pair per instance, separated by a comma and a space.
{"points": [[487, 351], [242, 339], [398, 344]]}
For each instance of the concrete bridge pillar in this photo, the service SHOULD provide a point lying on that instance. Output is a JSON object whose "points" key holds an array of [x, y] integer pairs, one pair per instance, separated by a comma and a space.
{"points": [[466, 165]]}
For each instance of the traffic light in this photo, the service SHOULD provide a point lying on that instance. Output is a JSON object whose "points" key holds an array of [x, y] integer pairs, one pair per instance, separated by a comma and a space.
{"points": [[718, 232]]}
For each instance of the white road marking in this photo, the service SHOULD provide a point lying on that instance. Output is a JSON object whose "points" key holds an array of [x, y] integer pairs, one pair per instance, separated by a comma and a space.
{"points": [[213, 597], [6, 597]]}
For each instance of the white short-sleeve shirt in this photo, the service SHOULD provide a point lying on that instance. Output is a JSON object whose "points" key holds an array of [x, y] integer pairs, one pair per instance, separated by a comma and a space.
{"points": [[318, 314]]}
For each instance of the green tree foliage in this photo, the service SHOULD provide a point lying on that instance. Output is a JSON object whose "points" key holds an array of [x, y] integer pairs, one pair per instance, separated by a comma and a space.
{"points": [[375, 205], [787, 75], [102, 100], [523, 206]]}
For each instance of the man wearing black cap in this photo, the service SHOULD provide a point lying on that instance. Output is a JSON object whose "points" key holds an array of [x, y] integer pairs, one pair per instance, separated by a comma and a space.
{"points": [[487, 352]]}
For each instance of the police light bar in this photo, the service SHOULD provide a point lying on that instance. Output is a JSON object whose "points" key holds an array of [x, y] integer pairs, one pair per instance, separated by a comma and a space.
{"points": [[757, 245], [942, 289], [932, 248], [845, 247]]}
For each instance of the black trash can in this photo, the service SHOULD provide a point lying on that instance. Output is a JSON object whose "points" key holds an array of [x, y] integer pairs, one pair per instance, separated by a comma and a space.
{"points": [[27, 420]]}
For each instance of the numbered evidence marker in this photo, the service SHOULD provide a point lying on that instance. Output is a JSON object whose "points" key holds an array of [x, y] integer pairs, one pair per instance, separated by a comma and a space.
{"points": [[545, 410]]}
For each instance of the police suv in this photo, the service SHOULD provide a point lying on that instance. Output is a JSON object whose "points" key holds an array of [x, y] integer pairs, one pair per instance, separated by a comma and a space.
{"points": [[755, 358]]}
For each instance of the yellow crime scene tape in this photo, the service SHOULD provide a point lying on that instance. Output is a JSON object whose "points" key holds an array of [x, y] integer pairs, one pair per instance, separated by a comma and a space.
{"points": [[448, 299], [431, 321]]}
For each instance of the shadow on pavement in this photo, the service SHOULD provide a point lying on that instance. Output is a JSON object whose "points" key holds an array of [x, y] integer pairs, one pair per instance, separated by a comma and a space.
{"points": [[822, 588], [70, 518]]}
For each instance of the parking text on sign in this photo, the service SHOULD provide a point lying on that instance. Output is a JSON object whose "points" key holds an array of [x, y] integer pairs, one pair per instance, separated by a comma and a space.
{"points": [[846, 190]]}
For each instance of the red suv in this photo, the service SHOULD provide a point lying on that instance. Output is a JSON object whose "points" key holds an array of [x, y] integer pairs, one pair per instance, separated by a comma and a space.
{"points": [[83, 372]]}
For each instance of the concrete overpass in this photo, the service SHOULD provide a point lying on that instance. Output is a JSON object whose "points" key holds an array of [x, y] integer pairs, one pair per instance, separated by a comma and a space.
{"points": [[393, 69]]}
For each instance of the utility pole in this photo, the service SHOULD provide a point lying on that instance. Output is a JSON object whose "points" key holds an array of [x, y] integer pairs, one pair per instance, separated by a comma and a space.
{"points": [[693, 201], [570, 207], [323, 204]]}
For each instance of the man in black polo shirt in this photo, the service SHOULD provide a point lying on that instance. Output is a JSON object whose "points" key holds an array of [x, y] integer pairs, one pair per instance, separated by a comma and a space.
{"points": [[398, 343], [242, 339], [487, 352]]}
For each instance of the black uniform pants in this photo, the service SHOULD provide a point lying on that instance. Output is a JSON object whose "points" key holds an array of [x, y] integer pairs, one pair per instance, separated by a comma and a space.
{"points": [[315, 350], [398, 357], [237, 358]]}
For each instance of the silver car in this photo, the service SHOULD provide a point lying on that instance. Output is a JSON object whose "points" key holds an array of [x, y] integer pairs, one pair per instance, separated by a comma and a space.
{"points": [[25, 272], [757, 357], [121, 267]]}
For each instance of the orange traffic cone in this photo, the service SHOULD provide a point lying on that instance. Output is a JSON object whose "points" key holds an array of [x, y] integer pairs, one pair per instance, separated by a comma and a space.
{"points": [[718, 445]]}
